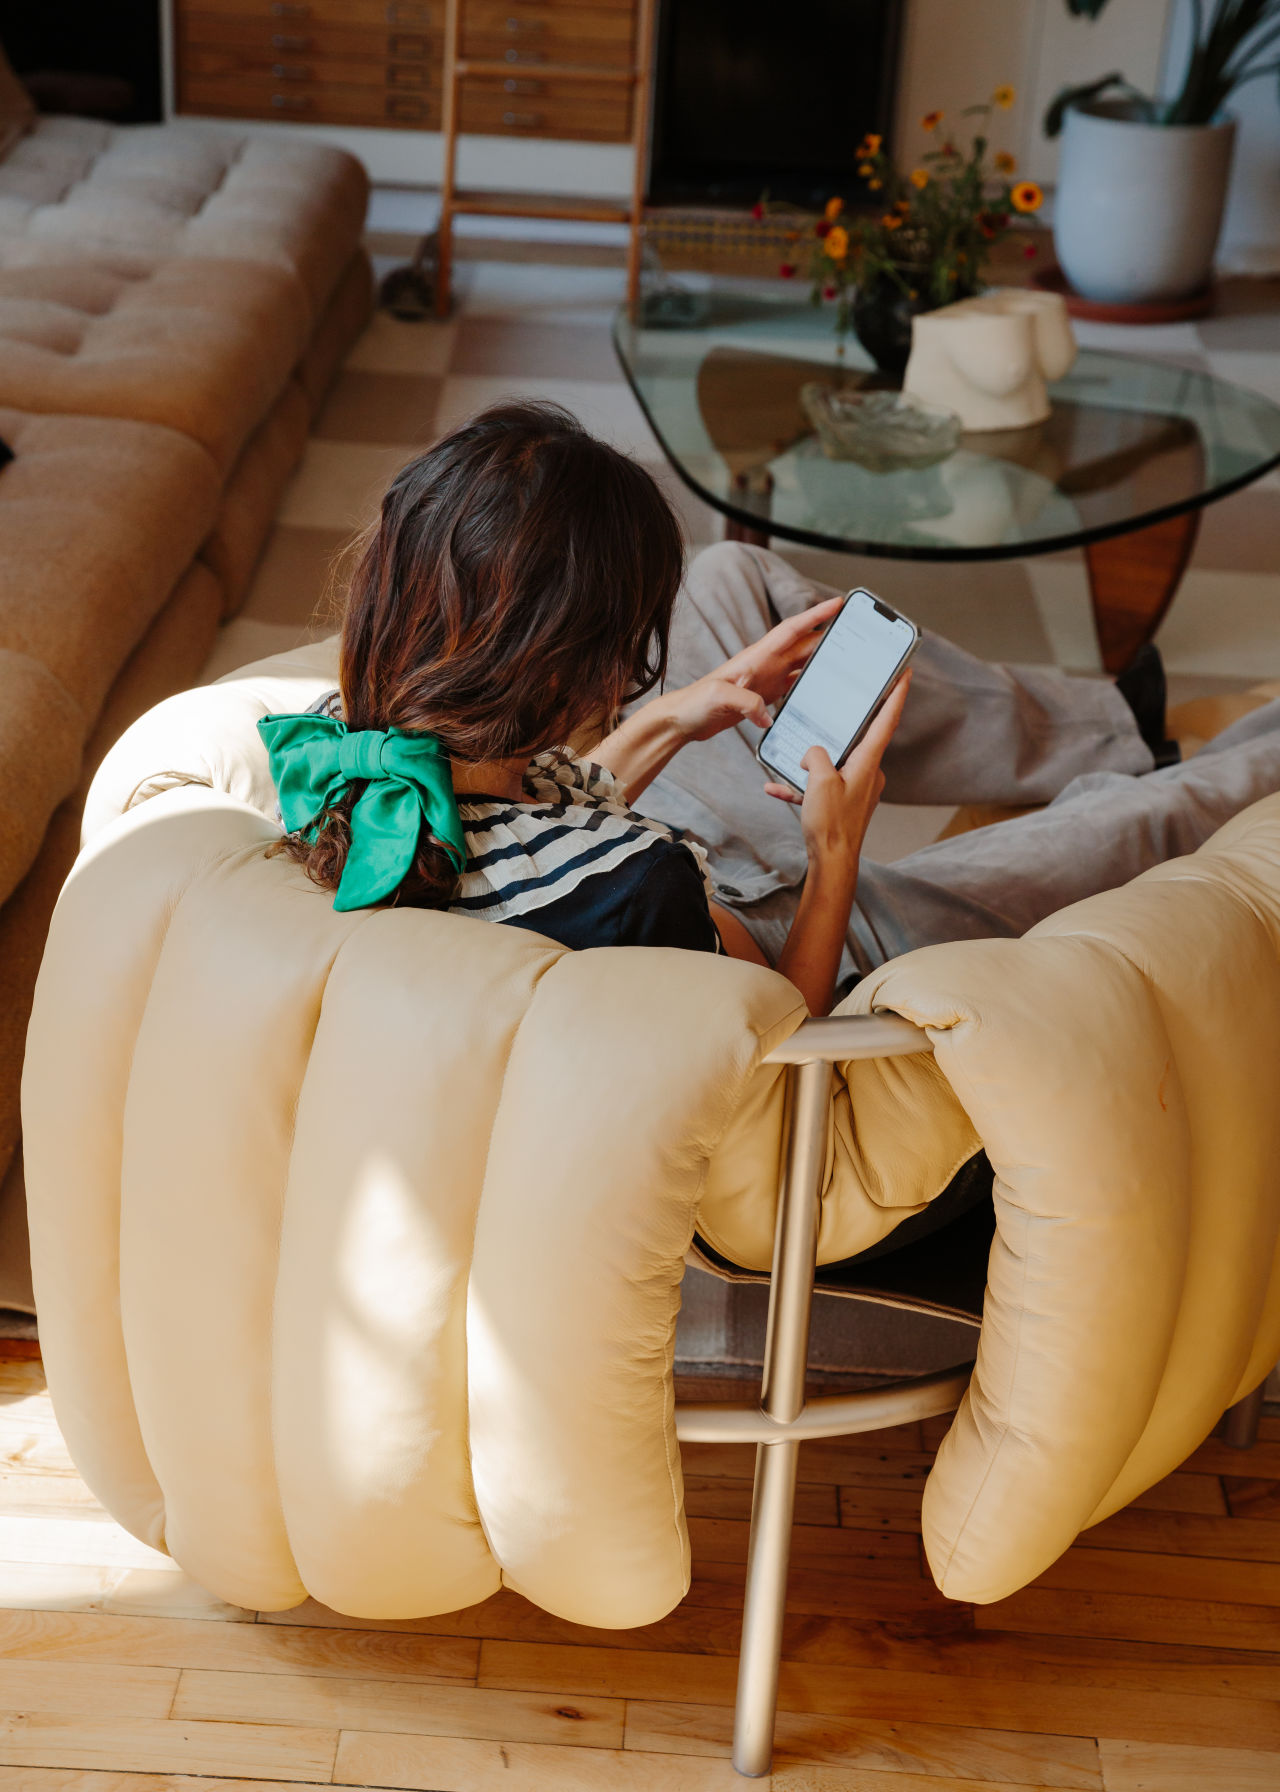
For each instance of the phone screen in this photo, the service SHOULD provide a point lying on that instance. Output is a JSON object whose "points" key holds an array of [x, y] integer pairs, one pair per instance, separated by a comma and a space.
{"points": [[854, 666]]}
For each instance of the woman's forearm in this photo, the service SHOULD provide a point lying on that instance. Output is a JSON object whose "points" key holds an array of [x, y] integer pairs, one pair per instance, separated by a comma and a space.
{"points": [[811, 957], [641, 746]]}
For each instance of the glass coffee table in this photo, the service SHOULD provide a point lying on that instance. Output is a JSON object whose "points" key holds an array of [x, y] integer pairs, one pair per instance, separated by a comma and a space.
{"points": [[1132, 452]]}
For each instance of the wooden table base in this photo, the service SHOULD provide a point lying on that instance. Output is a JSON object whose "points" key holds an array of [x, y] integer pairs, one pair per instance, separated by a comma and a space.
{"points": [[1132, 581]]}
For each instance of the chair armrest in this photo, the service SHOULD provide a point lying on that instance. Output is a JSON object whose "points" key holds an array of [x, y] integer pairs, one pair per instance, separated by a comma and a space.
{"points": [[835, 1038]]}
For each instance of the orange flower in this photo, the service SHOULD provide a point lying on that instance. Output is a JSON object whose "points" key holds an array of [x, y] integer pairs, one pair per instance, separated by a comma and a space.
{"points": [[833, 210], [1005, 163], [864, 169], [1003, 97], [871, 144], [875, 185], [837, 243], [891, 221], [919, 178], [931, 121], [903, 205], [1026, 197]]}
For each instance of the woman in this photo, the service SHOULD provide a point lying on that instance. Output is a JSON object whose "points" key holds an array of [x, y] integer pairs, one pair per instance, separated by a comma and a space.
{"points": [[518, 589], [524, 585]]}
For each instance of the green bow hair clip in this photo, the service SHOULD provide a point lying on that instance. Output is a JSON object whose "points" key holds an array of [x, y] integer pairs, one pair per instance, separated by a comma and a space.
{"points": [[408, 780]]}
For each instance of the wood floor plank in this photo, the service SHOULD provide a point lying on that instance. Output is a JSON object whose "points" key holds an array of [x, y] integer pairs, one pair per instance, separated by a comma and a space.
{"points": [[152, 1745], [446, 1764], [1217, 1458], [1166, 1576], [1208, 1623], [1188, 1534], [77, 1543], [881, 1508], [441, 1709], [895, 1695], [793, 1776], [1184, 1493], [47, 1496], [258, 1648], [987, 1756], [74, 1779], [844, 1462], [1152, 1767], [728, 1496], [87, 1689], [37, 1586], [1252, 1496], [878, 1554], [865, 1590]]}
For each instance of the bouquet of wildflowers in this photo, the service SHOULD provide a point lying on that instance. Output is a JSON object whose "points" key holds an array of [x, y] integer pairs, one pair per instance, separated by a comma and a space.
{"points": [[931, 230]]}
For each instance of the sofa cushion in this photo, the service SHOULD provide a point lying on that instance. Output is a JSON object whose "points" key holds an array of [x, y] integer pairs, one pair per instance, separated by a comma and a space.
{"points": [[187, 190], [99, 519], [42, 731], [202, 346]]}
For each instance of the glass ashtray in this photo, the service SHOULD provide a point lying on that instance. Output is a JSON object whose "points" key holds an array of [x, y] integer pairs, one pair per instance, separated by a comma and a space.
{"points": [[883, 431]]}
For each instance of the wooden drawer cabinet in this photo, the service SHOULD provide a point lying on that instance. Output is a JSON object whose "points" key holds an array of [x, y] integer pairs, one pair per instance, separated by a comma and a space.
{"points": [[598, 111], [380, 63], [514, 32], [310, 102]]}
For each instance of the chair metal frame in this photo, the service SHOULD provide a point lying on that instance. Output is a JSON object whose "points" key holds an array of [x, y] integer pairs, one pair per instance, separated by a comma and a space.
{"points": [[784, 1417]]}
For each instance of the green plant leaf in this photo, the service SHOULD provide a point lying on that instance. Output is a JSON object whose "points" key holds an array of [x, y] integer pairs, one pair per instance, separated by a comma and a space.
{"points": [[1071, 96]]}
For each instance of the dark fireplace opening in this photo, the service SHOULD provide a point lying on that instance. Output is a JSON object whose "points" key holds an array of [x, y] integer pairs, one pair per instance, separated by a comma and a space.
{"points": [[769, 93]]}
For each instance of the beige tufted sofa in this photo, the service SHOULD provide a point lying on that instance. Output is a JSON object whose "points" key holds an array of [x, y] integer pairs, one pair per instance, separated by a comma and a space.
{"points": [[358, 1238], [174, 302]]}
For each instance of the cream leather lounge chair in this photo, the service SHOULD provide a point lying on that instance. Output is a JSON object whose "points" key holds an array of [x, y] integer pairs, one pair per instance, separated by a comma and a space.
{"points": [[358, 1238]]}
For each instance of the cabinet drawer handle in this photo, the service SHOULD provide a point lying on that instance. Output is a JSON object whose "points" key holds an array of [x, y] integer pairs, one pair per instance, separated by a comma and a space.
{"points": [[408, 12], [514, 26], [407, 47], [399, 76], [510, 85], [523, 56], [291, 102], [523, 120], [404, 105], [290, 9], [281, 40], [285, 71]]}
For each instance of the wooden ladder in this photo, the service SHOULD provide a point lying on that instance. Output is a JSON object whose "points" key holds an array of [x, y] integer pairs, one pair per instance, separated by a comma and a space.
{"points": [[456, 201]]}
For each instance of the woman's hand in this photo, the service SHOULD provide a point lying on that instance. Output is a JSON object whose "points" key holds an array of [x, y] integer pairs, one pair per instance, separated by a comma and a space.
{"points": [[837, 806], [742, 688], [834, 813]]}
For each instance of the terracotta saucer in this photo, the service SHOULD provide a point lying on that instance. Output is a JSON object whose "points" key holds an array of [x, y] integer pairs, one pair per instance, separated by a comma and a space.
{"points": [[1162, 311]]}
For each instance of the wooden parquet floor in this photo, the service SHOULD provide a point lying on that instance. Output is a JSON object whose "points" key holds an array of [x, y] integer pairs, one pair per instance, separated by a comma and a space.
{"points": [[1146, 1660]]}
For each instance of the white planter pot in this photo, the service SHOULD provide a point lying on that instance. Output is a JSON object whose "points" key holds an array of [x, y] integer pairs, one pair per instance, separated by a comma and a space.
{"points": [[1139, 206]]}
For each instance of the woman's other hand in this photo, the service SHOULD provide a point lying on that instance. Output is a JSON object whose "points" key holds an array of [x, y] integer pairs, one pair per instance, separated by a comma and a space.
{"points": [[771, 665], [837, 806]]}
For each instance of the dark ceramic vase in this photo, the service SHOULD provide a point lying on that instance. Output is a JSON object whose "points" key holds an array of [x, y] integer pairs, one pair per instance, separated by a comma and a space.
{"points": [[881, 317]]}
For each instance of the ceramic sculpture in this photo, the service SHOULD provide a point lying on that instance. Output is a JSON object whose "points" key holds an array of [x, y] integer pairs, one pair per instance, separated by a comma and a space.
{"points": [[988, 359]]}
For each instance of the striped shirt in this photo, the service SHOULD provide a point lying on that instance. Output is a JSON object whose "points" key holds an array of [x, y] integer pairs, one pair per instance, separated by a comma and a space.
{"points": [[572, 860]]}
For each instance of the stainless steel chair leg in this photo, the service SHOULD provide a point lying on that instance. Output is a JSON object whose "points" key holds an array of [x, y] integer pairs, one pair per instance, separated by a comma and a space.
{"points": [[795, 1250], [1241, 1427]]}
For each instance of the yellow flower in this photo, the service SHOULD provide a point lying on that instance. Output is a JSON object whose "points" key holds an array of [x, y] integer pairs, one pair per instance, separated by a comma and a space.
{"points": [[1026, 197], [833, 210], [837, 243], [1005, 163], [871, 144], [931, 121], [891, 221], [1003, 97], [864, 169], [875, 185], [919, 178]]}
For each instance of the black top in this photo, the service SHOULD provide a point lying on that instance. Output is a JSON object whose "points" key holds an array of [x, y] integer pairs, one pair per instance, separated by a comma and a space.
{"points": [[655, 898]]}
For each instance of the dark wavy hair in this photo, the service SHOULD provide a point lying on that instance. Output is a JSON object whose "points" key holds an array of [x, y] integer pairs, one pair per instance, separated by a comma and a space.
{"points": [[517, 588]]}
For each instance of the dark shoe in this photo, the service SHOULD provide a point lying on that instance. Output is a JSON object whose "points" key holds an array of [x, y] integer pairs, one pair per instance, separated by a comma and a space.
{"points": [[1142, 685]]}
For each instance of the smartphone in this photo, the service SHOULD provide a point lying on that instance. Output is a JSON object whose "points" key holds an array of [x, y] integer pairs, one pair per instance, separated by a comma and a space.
{"points": [[854, 667]]}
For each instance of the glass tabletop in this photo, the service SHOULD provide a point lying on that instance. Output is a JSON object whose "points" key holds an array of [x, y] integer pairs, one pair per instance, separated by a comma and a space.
{"points": [[1130, 441]]}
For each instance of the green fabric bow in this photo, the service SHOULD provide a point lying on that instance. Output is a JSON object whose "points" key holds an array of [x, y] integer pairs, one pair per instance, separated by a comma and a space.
{"points": [[315, 760]]}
